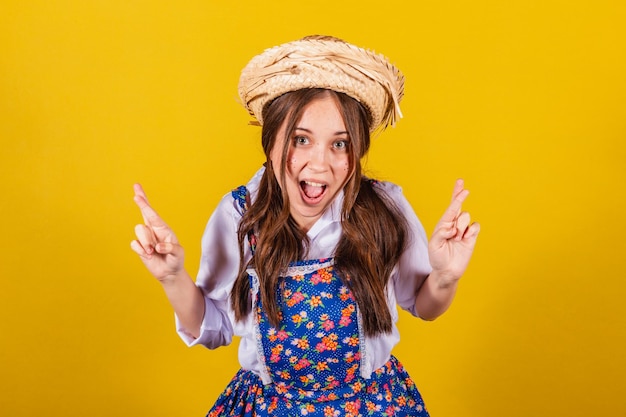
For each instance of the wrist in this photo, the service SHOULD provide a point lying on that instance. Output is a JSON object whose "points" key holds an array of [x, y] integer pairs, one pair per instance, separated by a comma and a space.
{"points": [[444, 280], [174, 278]]}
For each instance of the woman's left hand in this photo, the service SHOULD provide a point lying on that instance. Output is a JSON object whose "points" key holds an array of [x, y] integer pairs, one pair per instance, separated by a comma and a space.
{"points": [[452, 243]]}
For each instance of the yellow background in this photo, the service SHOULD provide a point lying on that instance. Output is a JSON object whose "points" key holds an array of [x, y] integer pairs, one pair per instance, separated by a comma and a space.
{"points": [[526, 100]]}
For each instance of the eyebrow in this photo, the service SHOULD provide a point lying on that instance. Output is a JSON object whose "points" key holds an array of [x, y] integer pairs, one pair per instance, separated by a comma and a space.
{"points": [[340, 132]]}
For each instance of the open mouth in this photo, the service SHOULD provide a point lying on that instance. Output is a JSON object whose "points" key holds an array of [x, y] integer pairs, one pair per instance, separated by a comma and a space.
{"points": [[312, 192]]}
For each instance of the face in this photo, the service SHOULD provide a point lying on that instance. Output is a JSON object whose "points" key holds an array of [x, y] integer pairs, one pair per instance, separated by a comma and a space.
{"points": [[318, 160]]}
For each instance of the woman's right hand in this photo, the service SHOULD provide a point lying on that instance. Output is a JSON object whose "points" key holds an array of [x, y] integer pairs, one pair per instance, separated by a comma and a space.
{"points": [[156, 243]]}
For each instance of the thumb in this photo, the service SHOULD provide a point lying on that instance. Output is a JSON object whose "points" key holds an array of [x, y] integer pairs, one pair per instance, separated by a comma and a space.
{"points": [[442, 234]]}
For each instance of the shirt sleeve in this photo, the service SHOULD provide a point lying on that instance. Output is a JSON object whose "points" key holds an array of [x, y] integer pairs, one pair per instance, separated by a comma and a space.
{"points": [[414, 266], [219, 266]]}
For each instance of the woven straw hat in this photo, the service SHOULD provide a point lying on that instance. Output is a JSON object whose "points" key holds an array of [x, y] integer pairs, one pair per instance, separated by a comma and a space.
{"points": [[324, 62]]}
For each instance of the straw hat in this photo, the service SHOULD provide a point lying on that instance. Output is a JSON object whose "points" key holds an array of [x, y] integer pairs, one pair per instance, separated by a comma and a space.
{"points": [[324, 62]]}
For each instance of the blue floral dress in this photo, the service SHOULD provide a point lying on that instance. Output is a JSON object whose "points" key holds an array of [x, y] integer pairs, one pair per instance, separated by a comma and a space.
{"points": [[313, 357]]}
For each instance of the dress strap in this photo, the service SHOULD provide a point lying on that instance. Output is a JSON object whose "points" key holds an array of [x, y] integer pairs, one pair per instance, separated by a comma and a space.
{"points": [[242, 197]]}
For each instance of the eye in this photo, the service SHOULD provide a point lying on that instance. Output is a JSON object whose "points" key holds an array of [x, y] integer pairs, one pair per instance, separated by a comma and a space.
{"points": [[340, 144], [300, 140]]}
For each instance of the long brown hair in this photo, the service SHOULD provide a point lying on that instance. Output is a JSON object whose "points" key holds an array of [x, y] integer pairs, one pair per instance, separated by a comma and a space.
{"points": [[374, 232]]}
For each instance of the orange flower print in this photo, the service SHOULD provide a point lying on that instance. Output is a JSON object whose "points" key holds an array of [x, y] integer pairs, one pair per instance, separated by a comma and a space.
{"points": [[388, 395], [316, 301], [327, 276], [302, 393], [321, 366], [301, 343], [284, 374], [281, 387], [276, 351], [351, 372], [348, 310], [323, 275], [352, 408], [357, 386], [401, 400], [328, 343], [273, 404], [352, 340], [345, 294], [271, 334], [306, 379], [332, 382], [331, 396], [372, 407], [330, 411], [298, 319], [306, 409]]}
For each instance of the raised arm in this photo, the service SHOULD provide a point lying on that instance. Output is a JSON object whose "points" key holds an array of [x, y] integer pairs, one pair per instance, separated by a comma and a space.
{"points": [[158, 248], [450, 249]]}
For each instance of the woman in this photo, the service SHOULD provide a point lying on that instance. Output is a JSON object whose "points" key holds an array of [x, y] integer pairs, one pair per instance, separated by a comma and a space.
{"points": [[307, 262]]}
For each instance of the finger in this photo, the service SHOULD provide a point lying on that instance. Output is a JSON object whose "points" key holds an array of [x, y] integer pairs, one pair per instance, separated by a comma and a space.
{"points": [[146, 238], [442, 233], [150, 216], [138, 249], [168, 248], [459, 185], [462, 222], [459, 194], [139, 191], [472, 231]]}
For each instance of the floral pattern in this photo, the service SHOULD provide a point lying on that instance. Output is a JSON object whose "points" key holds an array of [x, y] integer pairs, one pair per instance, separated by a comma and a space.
{"points": [[320, 355], [389, 392], [313, 357]]}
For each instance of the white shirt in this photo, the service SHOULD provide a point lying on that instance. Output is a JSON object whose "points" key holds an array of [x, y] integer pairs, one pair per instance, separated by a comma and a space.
{"points": [[219, 267]]}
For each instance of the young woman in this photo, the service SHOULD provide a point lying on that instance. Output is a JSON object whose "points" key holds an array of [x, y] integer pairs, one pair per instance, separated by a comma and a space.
{"points": [[308, 261]]}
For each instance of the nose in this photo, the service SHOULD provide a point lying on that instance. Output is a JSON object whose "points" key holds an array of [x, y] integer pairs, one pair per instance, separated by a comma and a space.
{"points": [[318, 158]]}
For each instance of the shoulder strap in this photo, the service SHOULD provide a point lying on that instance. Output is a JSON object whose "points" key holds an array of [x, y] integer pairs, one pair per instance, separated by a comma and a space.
{"points": [[240, 194], [242, 197]]}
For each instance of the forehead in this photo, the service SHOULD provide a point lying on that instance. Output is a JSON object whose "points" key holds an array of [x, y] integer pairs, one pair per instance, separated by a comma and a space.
{"points": [[322, 115]]}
